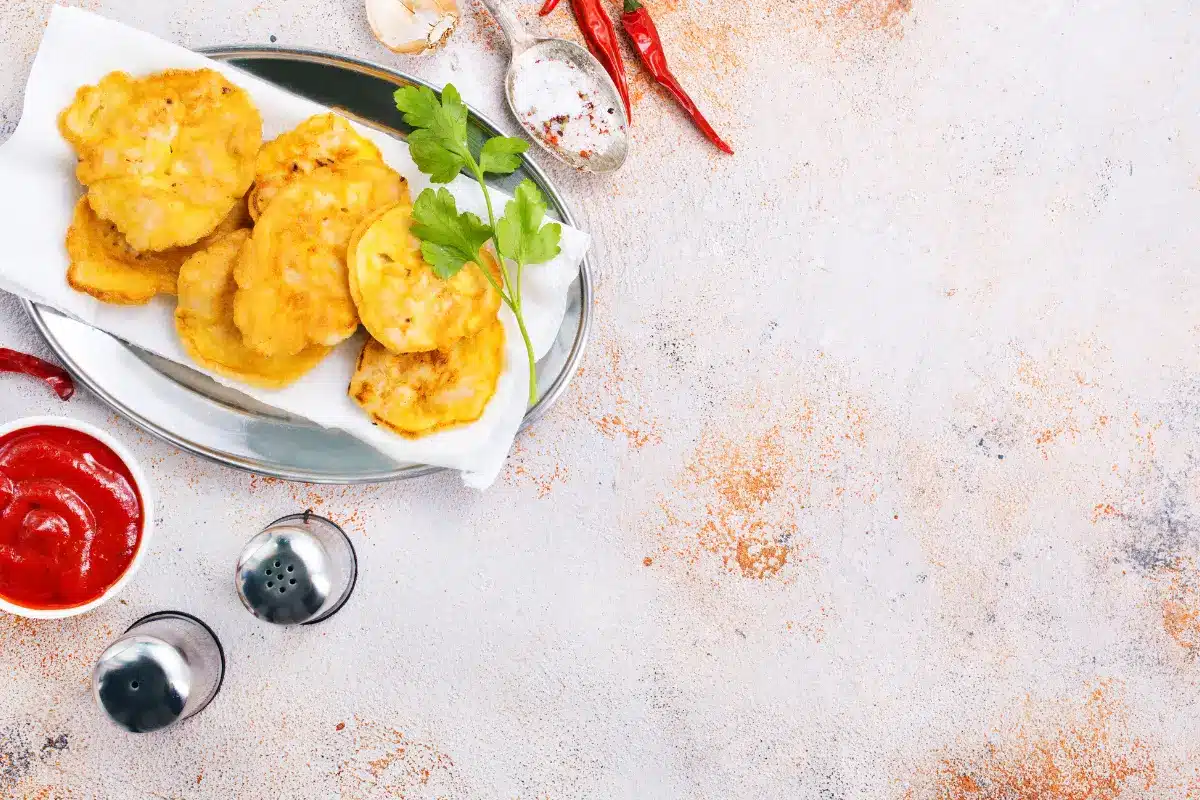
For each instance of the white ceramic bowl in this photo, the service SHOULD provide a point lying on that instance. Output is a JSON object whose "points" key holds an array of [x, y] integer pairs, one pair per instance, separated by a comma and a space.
{"points": [[143, 487]]}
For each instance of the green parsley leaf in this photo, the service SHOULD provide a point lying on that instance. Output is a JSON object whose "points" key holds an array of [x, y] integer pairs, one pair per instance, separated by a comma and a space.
{"points": [[444, 261], [439, 143], [501, 155], [449, 239], [520, 235], [419, 104], [440, 163], [447, 119]]}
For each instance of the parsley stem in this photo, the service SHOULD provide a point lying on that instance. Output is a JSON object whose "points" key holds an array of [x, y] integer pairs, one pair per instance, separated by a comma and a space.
{"points": [[515, 305], [487, 196], [529, 355], [513, 298], [487, 273]]}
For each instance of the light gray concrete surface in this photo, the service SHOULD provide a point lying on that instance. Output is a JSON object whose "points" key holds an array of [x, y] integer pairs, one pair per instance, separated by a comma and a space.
{"points": [[880, 479]]}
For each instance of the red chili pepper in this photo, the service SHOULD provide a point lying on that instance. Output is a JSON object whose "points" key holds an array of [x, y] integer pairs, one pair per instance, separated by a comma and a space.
{"points": [[641, 28], [34, 367], [601, 38]]}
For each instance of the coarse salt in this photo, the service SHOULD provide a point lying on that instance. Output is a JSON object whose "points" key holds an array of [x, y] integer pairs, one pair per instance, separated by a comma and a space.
{"points": [[562, 106]]}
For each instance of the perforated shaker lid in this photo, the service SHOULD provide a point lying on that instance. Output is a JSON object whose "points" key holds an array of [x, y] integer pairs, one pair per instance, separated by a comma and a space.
{"points": [[300, 570]]}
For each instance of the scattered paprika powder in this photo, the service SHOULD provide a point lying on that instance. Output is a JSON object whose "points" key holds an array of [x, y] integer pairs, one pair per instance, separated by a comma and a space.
{"points": [[644, 33]]}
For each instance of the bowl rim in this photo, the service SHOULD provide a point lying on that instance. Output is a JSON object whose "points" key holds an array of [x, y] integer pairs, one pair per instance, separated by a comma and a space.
{"points": [[142, 484]]}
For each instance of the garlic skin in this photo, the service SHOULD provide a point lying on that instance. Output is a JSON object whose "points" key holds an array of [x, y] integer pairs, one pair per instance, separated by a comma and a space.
{"points": [[412, 27]]}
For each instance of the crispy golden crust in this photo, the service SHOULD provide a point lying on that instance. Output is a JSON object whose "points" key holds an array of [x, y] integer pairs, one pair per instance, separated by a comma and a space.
{"points": [[103, 264], [418, 393], [402, 303], [118, 127], [165, 157], [292, 286], [322, 140], [204, 320]]}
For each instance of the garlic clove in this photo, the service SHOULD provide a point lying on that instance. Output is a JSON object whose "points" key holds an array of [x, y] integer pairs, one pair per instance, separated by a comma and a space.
{"points": [[412, 27]]}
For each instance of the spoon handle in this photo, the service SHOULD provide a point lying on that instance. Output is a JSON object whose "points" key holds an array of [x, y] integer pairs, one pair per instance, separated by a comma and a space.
{"points": [[518, 38]]}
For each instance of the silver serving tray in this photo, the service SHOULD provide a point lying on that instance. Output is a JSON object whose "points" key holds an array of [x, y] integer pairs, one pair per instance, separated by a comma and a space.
{"points": [[196, 414]]}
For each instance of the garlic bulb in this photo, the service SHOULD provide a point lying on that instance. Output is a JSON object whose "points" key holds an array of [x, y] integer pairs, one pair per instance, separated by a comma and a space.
{"points": [[412, 27]]}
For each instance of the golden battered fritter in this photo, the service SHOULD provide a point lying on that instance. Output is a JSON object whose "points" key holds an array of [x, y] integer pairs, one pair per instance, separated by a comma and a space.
{"points": [[204, 320], [292, 285], [166, 157], [121, 127], [418, 393], [323, 140], [402, 303], [103, 264]]}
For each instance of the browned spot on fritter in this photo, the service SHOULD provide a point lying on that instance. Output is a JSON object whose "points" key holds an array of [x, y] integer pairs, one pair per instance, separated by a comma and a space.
{"points": [[1066, 752]]}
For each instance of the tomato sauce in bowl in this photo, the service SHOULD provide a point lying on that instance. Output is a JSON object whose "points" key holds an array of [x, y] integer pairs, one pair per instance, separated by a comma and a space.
{"points": [[73, 519]]}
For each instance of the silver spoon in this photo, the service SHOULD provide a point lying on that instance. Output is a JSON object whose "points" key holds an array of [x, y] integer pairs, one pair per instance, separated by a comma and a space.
{"points": [[602, 129]]}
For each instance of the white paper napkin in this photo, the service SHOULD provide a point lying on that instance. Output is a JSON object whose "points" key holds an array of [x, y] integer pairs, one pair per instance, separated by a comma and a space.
{"points": [[38, 170]]}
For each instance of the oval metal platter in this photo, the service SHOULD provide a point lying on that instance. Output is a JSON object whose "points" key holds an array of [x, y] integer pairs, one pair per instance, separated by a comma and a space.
{"points": [[193, 412]]}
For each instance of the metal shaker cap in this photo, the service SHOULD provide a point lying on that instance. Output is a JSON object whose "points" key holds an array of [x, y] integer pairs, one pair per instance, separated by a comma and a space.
{"points": [[167, 667], [300, 570]]}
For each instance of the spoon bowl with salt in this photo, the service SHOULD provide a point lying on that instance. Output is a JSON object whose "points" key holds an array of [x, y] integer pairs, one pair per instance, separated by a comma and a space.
{"points": [[563, 98]]}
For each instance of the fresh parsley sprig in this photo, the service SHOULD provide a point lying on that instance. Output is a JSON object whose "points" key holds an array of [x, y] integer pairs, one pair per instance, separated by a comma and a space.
{"points": [[451, 238]]}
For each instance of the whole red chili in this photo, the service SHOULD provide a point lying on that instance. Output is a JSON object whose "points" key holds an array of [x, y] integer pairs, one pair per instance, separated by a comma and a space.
{"points": [[34, 367], [644, 33], [601, 38]]}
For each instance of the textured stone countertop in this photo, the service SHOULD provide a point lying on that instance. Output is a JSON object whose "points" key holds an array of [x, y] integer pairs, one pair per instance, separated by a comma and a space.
{"points": [[880, 479]]}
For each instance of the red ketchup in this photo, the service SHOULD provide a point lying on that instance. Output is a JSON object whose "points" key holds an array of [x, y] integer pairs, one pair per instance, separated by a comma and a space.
{"points": [[70, 517]]}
